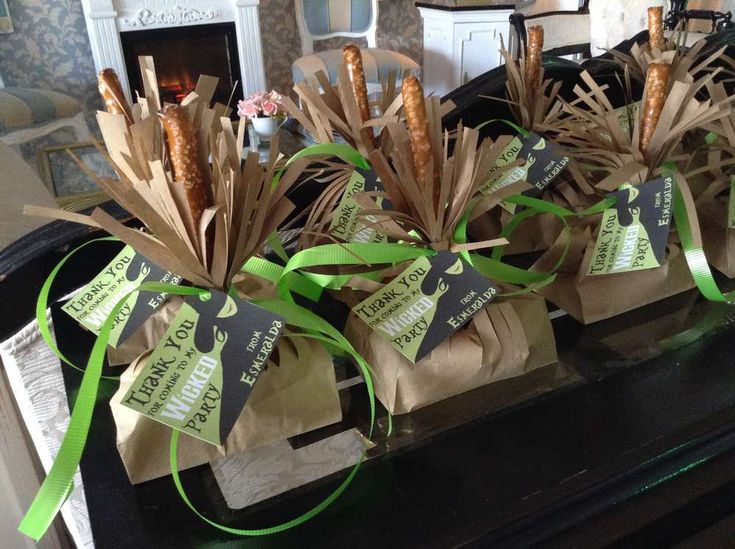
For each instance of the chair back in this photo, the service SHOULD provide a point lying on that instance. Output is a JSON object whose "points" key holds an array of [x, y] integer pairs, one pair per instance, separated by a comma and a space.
{"points": [[566, 33], [322, 19]]}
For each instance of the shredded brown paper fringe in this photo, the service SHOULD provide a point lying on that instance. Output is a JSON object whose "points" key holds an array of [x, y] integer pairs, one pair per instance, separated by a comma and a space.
{"points": [[180, 173]]}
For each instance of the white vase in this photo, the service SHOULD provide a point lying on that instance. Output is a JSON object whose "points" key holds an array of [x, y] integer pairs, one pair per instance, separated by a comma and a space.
{"points": [[265, 127]]}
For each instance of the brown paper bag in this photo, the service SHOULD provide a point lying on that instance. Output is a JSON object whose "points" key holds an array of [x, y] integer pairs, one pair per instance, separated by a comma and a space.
{"points": [[592, 298], [297, 396], [535, 234], [508, 338], [717, 237]]}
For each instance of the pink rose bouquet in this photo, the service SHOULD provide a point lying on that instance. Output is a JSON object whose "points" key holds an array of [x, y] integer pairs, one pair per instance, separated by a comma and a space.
{"points": [[261, 104]]}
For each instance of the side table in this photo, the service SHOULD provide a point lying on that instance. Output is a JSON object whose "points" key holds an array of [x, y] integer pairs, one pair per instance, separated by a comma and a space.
{"points": [[462, 42]]}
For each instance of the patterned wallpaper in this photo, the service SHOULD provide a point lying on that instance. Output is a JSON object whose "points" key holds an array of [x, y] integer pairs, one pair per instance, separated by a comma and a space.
{"points": [[50, 47]]}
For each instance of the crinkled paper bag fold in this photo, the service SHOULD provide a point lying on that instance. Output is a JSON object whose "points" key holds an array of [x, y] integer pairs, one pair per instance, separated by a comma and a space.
{"points": [[535, 234], [297, 396], [589, 299], [509, 338]]}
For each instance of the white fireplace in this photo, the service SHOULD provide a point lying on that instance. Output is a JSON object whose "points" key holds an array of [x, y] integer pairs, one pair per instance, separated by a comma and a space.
{"points": [[106, 19]]}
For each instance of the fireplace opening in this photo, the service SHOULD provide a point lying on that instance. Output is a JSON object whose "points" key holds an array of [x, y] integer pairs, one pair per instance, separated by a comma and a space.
{"points": [[181, 54]]}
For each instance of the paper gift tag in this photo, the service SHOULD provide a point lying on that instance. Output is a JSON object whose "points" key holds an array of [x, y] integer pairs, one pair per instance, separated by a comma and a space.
{"points": [[426, 303], [634, 232], [345, 224], [200, 375], [94, 302], [544, 161]]}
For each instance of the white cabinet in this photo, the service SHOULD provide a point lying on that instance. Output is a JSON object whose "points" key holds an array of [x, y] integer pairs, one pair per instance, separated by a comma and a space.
{"points": [[461, 44]]}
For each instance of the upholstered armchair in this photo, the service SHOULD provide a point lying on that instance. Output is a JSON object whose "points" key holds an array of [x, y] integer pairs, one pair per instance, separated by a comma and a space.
{"points": [[323, 19]]}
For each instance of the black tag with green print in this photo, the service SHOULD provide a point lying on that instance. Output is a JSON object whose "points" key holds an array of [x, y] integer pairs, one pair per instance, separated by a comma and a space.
{"points": [[634, 232], [202, 372], [544, 162], [347, 225], [426, 303], [94, 302]]}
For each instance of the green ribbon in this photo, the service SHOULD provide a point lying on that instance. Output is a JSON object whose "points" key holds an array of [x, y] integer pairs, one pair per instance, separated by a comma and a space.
{"points": [[42, 304], [525, 133], [273, 272], [494, 268], [343, 151], [58, 483], [694, 254], [345, 254]]}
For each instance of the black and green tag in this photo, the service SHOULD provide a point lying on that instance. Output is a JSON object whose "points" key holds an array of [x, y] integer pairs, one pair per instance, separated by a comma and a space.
{"points": [[426, 303], [544, 162], [203, 370], [634, 232], [345, 224], [95, 301]]}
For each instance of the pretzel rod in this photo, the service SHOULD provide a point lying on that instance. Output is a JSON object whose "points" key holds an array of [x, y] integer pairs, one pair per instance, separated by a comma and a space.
{"points": [[419, 132], [533, 56], [656, 27], [657, 81], [353, 60], [184, 155], [112, 94]]}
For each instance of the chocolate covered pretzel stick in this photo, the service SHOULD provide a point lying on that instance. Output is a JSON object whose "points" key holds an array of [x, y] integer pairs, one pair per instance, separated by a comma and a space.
{"points": [[183, 152], [656, 27], [533, 56], [353, 60], [418, 129], [112, 94], [657, 81]]}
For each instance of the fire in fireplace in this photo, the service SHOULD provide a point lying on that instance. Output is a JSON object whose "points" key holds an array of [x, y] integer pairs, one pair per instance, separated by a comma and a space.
{"points": [[181, 54]]}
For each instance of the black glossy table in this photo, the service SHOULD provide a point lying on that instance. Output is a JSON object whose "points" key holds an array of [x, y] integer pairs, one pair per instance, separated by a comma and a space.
{"points": [[638, 450]]}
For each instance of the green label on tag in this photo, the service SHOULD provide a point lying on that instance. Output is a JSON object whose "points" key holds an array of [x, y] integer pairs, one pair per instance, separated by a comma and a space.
{"points": [[426, 303], [731, 205], [345, 224], [634, 232], [202, 372], [94, 302], [544, 162]]}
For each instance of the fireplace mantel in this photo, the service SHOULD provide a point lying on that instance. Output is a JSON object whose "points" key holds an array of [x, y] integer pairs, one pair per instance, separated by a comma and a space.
{"points": [[106, 19]]}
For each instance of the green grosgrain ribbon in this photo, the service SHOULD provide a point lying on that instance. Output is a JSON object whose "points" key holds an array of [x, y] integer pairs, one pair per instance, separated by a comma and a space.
{"points": [[684, 216], [272, 272], [525, 133], [343, 151], [345, 254], [59, 481], [494, 268], [56, 485], [42, 304]]}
